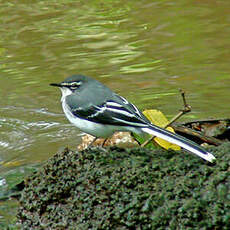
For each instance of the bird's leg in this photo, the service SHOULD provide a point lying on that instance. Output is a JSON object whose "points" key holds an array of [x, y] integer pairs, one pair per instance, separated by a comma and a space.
{"points": [[90, 145], [104, 142], [95, 138]]}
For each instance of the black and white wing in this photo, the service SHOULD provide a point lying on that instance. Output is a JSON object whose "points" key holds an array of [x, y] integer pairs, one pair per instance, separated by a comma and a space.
{"points": [[114, 111]]}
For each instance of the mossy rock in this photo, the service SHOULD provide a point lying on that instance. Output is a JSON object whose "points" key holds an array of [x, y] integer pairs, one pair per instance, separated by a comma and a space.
{"points": [[128, 189]]}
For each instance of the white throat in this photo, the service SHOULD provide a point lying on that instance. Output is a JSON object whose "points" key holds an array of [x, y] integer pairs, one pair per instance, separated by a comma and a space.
{"points": [[65, 92]]}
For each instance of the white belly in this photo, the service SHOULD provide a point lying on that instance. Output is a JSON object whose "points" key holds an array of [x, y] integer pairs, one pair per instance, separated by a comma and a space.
{"points": [[95, 129]]}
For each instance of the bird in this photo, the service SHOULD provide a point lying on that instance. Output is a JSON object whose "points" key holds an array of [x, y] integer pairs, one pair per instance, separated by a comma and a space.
{"points": [[97, 110]]}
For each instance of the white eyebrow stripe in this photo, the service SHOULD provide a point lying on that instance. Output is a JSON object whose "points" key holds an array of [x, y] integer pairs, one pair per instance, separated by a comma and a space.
{"points": [[77, 83]]}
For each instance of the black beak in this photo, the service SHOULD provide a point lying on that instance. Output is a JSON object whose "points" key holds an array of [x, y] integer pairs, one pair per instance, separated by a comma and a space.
{"points": [[56, 84]]}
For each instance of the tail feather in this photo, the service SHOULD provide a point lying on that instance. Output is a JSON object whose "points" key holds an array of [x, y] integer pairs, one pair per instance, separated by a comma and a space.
{"points": [[179, 140]]}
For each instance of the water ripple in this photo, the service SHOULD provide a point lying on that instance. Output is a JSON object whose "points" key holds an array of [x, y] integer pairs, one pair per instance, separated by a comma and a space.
{"points": [[27, 128]]}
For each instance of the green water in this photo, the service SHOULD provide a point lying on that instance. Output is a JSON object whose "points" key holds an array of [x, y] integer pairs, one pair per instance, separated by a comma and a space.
{"points": [[144, 50]]}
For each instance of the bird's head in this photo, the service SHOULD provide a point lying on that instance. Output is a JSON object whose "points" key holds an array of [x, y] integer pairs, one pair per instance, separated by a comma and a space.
{"points": [[71, 84]]}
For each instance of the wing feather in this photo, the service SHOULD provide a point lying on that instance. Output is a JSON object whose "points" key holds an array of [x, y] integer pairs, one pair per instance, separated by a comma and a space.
{"points": [[116, 111]]}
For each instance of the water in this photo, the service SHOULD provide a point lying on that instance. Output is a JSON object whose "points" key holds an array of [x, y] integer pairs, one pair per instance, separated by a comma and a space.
{"points": [[143, 50]]}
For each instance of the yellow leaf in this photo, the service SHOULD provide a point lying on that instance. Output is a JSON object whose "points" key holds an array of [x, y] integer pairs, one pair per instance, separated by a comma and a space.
{"points": [[159, 119]]}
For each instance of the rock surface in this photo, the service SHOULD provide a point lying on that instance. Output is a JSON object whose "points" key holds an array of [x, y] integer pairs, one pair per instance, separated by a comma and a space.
{"points": [[128, 189]]}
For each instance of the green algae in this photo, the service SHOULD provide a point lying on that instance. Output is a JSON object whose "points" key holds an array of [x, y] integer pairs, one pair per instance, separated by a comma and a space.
{"points": [[128, 189]]}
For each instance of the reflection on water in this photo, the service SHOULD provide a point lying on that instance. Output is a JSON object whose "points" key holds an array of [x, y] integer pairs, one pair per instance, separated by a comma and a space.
{"points": [[38, 128], [143, 50]]}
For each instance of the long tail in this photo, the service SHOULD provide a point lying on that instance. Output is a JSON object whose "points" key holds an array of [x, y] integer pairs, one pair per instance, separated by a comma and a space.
{"points": [[179, 140]]}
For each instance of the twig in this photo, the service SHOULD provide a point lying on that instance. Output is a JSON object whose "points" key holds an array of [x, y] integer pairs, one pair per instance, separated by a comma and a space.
{"points": [[194, 134], [186, 109]]}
